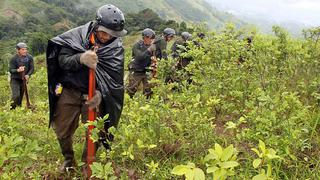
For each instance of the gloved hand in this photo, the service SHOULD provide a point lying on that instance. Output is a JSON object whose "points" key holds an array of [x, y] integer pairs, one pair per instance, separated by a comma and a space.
{"points": [[21, 69], [152, 47], [26, 77], [95, 100], [89, 58]]}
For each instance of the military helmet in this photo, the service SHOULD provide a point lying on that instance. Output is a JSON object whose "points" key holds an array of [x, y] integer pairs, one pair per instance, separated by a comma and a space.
{"points": [[169, 32], [186, 36], [149, 33]]}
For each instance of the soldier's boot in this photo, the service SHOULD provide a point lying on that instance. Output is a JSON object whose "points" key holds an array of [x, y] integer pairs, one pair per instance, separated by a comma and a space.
{"points": [[69, 162]]}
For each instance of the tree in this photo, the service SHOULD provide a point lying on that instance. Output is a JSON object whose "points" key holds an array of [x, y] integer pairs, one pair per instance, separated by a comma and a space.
{"points": [[37, 42]]}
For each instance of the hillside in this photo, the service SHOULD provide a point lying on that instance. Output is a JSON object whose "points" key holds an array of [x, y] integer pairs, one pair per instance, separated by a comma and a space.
{"points": [[253, 120], [186, 10], [35, 21], [179, 10]]}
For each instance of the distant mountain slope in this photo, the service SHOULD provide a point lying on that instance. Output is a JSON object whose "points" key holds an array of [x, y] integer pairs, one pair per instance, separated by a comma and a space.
{"points": [[186, 10]]}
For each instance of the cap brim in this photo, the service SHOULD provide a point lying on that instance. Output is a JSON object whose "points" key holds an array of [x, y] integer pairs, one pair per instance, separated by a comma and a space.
{"points": [[112, 32]]}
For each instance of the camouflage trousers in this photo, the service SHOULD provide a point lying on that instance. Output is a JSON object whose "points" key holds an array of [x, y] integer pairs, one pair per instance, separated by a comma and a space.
{"points": [[135, 79]]}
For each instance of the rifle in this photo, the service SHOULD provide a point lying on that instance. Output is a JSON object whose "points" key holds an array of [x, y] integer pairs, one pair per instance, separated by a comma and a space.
{"points": [[91, 112]]}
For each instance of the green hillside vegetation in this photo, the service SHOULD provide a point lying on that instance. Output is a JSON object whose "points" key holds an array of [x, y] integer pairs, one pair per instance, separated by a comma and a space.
{"points": [[35, 22], [255, 120], [258, 119], [179, 10]]}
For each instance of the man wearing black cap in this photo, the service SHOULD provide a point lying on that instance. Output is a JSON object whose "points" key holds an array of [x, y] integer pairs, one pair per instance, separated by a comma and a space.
{"points": [[140, 64], [96, 45], [21, 63]]}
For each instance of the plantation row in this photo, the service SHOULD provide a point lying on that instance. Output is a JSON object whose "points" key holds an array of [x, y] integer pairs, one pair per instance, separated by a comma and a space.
{"points": [[258, 119]]}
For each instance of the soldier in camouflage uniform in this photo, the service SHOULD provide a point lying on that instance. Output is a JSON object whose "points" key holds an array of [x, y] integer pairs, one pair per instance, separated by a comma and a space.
{"points": [[180, 46], [142, 52], [161, 43]]}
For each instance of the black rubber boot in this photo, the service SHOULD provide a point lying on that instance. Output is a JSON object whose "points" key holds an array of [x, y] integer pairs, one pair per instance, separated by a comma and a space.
{"points": [[69, 162]]}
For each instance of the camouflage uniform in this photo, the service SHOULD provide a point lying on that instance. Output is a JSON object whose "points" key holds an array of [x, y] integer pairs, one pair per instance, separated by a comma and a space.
{"points": [[161, 50], [138, 69]]}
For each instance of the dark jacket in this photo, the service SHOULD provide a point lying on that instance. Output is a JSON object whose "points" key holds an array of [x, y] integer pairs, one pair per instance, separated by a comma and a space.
{"points": [[17, 61], [141, 57], [109, 72], [161, 50], [180, 46]]}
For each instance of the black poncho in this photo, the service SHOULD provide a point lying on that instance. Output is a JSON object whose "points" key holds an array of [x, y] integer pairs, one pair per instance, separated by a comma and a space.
{"points": [[109, 72]]}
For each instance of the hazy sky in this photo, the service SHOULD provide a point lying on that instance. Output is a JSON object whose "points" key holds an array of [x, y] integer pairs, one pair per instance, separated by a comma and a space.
{"points": [[303, 11]]}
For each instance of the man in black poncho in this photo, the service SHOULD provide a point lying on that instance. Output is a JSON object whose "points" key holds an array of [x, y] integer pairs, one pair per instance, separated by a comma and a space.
{"points": [[69, 58]]}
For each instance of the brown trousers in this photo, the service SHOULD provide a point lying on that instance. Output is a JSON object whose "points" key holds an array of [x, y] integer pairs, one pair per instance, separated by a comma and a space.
{"points": [[70, 106], [135, 78]]}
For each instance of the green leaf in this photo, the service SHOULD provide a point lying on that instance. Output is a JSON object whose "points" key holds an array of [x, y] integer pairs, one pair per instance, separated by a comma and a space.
{"points": [[199, 174], [103, 155], [33, 156], [231, 125], [191, 165], [229, 164], [262, 146], [14, 155], [108, 167], [242, 119], [180, 170], [272, 154], [260, 177], [269, 171], [198, 98], [189, 175], [256, 163], [81, 164], [131, 156], [212, 169], [218, 150], [151, 146], [97, 170], [220, 174], [210, 157], [227, 153], [256, 151], [140, 144]]}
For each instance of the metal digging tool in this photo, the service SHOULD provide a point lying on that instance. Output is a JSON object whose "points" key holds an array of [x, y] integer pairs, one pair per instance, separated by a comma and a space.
{"points": [[25, 91]]}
